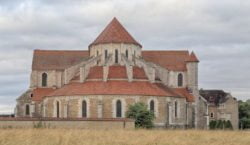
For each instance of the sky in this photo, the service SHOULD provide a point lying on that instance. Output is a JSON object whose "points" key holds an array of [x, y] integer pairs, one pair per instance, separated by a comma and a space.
{"points": [[217, 31]]}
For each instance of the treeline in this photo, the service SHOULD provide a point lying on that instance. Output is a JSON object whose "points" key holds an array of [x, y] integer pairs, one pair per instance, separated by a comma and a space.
{"points": [[244, 114]]}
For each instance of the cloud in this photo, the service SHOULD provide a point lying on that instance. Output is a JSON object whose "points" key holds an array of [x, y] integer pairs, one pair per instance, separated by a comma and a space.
{"points": [[218, 32]]}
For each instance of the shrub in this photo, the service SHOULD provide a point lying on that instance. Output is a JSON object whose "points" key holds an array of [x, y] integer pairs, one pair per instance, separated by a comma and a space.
{"points": [[143, 117], [212, 124]]}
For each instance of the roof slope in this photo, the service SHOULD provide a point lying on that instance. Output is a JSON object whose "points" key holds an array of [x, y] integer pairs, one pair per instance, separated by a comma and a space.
{"points": [[114, 33], [61, 59], [171, 60], [57, 59], [112, 88], [214, 97]]}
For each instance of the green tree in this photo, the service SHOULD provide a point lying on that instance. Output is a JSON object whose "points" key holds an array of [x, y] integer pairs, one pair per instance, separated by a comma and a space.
{"points": [[143, 117], [228, 125], [244, 114], [212, 124]]}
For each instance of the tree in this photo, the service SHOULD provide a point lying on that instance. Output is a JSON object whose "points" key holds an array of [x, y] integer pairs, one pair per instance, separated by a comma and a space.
{"points": [[228, 125], [244, 114], [212, 124], [143, 117]]}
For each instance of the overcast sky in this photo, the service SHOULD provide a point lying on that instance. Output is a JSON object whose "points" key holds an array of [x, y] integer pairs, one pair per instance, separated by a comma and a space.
{"points": [[218, 31]]}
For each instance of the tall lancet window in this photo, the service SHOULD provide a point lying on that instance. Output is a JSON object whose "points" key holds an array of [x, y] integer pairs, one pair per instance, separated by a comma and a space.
{"points": [[152, 105], [116, 56], [176, 109], [57, 109], [106, 54], [27, 110], [180, 80], [84, 109], [118, 108], [127, 53], [44, 79]]}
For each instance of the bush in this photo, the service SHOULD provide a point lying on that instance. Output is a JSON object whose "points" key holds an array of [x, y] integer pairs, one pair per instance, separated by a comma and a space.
{"points": [[143, 117], [228, 125], [219, 124], [212, 124]]}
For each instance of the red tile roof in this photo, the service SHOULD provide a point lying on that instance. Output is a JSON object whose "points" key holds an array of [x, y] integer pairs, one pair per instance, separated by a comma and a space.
{"points": [[39, 93], [192, 58], [95, 72], [138, 73], [184, 93], [57, 59], [172, 60], [114, 88], [114, 33], [116, 72]]}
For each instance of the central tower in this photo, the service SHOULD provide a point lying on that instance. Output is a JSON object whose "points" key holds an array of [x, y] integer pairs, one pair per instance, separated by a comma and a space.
{"points": [[113, 43]]}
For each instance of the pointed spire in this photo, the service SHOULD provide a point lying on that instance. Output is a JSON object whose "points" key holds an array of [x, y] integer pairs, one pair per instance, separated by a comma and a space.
{"points": [[114, 33], [192, 58]]}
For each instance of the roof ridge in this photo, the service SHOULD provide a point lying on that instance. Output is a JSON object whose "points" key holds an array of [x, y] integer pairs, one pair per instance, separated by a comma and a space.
{"points": [[114, 32]]}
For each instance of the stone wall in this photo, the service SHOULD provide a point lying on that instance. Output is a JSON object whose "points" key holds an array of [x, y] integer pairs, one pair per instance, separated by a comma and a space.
{"points": [[111, 47], [67, 123], [226, 111], [104, 107]]}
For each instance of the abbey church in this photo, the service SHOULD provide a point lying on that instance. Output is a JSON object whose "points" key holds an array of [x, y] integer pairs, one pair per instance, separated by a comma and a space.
{"points": [[112, 74]]}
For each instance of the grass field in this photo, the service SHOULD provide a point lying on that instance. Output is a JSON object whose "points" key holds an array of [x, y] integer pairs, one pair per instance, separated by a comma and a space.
{"points": [[121, 137]]}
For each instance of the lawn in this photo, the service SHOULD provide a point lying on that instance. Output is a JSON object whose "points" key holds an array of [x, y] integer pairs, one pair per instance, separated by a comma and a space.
{"points": [[121, 137]]}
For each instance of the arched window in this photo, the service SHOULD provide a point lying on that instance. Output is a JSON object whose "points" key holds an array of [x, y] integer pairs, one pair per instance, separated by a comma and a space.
{"points": [[118, 108], [44, 79], [84, 109], [27, 110], [212, 115], [127, 53], [152, 105], [180, 80], [106, 54], [175, 108], [97, 53], [116, 56], [57, 109]]}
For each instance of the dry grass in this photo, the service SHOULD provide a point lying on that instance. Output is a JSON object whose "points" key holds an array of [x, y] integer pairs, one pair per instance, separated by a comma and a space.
{"points": [[121, 137]]}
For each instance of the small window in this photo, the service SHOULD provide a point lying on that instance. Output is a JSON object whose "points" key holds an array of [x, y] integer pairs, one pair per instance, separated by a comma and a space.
{"points": [[57, 109], [27, 110], [118, 108], [212, 115], [127, 53], [152, 105], [175, 109], [44, 79], [97, 53], [180, 80], [84, 109], [106, 54], [116, 56], [31, 95]]}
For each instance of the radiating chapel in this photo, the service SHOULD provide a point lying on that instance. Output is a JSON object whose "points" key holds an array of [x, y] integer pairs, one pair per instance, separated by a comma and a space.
{"points": [[112, 74]]}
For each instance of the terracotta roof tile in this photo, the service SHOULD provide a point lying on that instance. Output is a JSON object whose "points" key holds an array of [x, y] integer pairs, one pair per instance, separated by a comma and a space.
{"points": [[184, 92], [192, 58], [116, 72], [57, 59], [113, 88], [138, 73], [172, 60], [95, 72], [114, 33], [39, 93]]}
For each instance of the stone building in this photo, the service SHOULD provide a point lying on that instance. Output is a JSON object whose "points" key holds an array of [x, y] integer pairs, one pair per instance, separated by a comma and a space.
{"points": [[221, 106], [112, 74]]}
